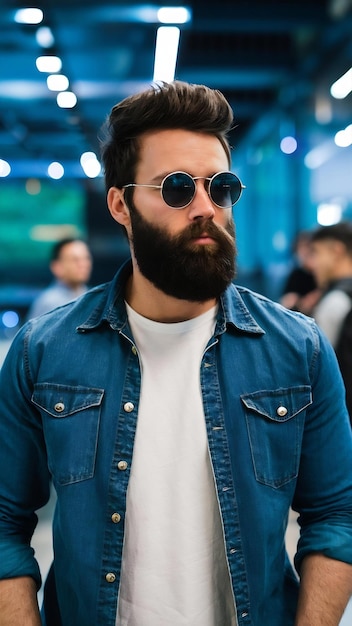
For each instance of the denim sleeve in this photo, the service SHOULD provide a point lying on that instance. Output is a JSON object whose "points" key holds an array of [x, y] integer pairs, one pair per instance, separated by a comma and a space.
{"points": [[24, 477], [323, 496]]}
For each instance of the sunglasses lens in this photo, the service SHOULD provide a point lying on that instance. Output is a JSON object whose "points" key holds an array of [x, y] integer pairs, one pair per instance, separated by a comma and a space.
{"points": [[178, 190], [225, 189]]}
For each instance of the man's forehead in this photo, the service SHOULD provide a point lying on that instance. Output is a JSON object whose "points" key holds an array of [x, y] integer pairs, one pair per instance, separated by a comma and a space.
{"points": [[180, 147], [74, 249], [326, 244]]}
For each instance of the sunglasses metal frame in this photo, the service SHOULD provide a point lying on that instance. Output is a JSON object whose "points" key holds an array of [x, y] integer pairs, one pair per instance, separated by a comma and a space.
{"points": [[193, 178]]}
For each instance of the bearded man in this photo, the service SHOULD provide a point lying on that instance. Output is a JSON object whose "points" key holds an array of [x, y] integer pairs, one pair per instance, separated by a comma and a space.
{"points": [[179, 416]]}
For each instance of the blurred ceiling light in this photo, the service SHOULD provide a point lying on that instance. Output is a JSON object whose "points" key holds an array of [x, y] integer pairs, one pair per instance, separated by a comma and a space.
{"points": [[90, 164], [174, 15], [167, 39], [56, 170], [151, 14], [279, 241], [343, 86], [288, 145], [53, 232], [66, 99], [5, 168], [48, 64], [10, 319], [339, 8], [87, 156], [329, 214], [57, 82], [319, 155], [323, 110], [45, 37], [29, 16], [343, 138]]}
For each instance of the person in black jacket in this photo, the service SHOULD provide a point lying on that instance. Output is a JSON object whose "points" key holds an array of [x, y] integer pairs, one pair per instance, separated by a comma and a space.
{"points": [[331, 264], [300, 292]]}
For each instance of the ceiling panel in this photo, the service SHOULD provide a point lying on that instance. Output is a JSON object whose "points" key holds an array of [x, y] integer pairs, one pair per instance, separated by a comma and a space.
{"points": [[260, 55]]}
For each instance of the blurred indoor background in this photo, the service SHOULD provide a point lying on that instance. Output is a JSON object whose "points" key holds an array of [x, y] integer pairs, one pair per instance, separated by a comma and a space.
{"points": [[285, 66]]}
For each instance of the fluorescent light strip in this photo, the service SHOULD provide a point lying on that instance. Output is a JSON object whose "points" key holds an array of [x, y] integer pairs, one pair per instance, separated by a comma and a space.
{"points": [[319, 155], [343, 138], [29, 16], [174, 15], [343, 86], [167, 40]]}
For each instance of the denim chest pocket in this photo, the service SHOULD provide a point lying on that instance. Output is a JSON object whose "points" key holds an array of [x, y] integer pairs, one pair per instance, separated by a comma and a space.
{"points": [[275, 421], [71, 418]]}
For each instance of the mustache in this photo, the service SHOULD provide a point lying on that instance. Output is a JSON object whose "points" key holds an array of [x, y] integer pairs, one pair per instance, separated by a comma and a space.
{"points": [[201, 226]]}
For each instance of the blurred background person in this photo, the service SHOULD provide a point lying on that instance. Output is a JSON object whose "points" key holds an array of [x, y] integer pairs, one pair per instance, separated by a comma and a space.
{"points": [[71, 266], [300, 291], [331, 263]]}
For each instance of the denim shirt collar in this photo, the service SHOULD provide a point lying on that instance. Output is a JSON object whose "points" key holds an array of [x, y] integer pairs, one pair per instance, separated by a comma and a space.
{"points": [[111, 308], [234, 312]]}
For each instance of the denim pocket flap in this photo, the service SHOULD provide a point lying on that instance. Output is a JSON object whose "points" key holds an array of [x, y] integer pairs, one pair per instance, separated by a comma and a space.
{"points": [[275, 421], [279, 405], [63, 400]]}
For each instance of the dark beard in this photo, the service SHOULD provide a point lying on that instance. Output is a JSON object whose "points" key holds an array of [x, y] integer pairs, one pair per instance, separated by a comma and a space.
{"points": [[177, 266]]}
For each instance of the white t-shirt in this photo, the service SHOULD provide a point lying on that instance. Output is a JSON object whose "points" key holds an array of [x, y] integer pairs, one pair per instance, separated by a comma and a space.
{"points": [[174, 570]]}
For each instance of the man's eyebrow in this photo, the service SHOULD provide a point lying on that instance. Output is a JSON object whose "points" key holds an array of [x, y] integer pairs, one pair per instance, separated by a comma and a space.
{"points": [[158, 178]]}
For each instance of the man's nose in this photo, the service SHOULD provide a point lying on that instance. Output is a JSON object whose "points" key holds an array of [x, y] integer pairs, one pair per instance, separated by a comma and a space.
{"points": [[201, 205]]}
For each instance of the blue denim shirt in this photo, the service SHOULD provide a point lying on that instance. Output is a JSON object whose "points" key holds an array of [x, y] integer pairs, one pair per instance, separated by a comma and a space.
{"points": [[278, 433]]}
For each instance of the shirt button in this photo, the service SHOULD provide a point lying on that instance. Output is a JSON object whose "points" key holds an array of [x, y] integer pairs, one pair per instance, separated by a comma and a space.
{"points": [[281, 411], [122, 465], [110, 577], [116, 517], [134, 350], [59, 407], [128, 407]]}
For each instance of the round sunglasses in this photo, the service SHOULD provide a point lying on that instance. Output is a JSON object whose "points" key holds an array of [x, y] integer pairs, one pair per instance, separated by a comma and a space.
{"points": [[179, 188]]}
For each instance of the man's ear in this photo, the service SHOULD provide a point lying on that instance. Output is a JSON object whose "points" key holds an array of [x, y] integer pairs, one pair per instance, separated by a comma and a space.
{"points": [[339, 248], [118, 207], [56, 269]]}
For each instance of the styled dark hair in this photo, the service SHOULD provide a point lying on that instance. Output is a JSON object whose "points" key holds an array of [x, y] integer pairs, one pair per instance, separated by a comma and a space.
{"points": [[175, 105], [339, 232]]}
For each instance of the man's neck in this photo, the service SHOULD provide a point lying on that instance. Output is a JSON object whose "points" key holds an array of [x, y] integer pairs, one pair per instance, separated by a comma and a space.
{"points": [[158, 306]]}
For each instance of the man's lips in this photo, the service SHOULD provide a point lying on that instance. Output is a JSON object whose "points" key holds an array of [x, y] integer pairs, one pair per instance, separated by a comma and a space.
{"points": [[204, 238]]}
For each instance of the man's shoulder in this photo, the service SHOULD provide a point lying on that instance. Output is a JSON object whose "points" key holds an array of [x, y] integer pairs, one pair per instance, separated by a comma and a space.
{"points": [[73, 311], [268, 312], [51, 297], [256, 298]]}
